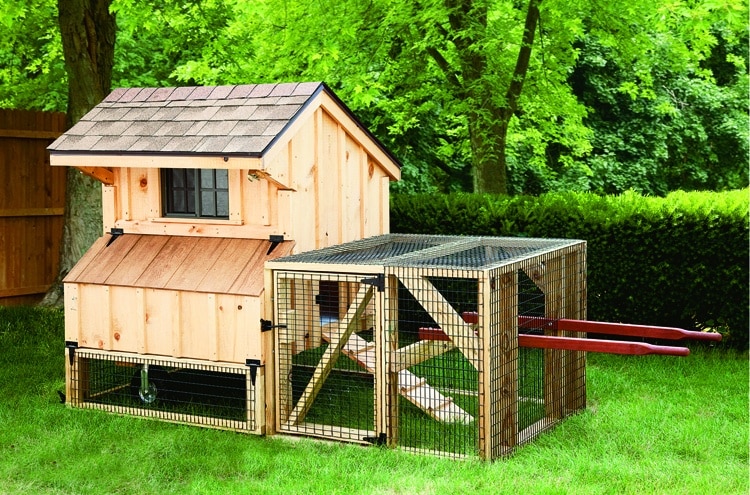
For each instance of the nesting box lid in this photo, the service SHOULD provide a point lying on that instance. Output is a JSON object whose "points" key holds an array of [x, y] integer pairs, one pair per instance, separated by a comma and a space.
{"points": [[195, 264]]}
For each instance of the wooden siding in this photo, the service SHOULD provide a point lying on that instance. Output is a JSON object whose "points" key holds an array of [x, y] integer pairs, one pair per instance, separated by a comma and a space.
{"points": [[336, 193], [31, 205], [184, 297]]}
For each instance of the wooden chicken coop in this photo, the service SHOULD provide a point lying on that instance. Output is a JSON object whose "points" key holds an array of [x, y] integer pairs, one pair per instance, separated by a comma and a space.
{"points": [[246, 279], [201, 186]]}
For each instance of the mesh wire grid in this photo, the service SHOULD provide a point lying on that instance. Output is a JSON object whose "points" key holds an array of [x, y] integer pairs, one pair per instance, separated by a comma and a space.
{"points": [[431, 251], [201, 394]]}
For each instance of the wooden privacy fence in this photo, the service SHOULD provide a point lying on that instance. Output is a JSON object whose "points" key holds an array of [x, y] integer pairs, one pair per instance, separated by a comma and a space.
{"points": [[32, 200]]}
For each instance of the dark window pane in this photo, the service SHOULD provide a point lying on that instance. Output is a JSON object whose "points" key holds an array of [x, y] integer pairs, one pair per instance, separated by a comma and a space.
{"points": [[222, 179], [190, 203], [208, 205], [178, 202], [207, 179], [222, 203], [189, 178], [177, 177]]}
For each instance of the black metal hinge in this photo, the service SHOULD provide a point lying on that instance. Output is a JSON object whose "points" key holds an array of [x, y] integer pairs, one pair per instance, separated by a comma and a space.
{"points": [[275, 241], [253, 364], [115, 234], [267, 325], [377, 281], [71, 346]]}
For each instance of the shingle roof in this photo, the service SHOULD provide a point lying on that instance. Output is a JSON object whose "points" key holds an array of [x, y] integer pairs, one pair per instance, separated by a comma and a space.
{"points": [[236, 120]]}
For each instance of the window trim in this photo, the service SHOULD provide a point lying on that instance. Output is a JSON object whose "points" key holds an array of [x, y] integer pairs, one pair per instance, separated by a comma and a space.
{"points": [[197, 191]]}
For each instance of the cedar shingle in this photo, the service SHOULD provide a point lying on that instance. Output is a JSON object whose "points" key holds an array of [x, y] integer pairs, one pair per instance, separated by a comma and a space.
{"points": [[174, 128], [221, 92], [161, 94], [241, 91], [247, 144], [181, 93]]}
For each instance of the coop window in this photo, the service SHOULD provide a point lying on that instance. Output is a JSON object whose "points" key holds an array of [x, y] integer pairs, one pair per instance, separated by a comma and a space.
{"points": [[201, 193]]}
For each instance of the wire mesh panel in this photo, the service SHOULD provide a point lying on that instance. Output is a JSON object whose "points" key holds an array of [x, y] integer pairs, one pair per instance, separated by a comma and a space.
{"points": [[219, 396], [326, 356], [434, 361]]}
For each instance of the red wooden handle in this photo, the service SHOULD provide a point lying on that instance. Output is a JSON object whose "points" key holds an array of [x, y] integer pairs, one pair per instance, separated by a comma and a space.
{"points": [[591, 345], [623, 329]]}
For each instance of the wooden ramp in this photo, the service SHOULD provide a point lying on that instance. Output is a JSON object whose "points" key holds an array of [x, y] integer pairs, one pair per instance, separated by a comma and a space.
{"points": [[414, 388]]}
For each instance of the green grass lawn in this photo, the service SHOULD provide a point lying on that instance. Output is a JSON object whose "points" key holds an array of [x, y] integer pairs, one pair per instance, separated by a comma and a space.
{"points": [[654, 425]]}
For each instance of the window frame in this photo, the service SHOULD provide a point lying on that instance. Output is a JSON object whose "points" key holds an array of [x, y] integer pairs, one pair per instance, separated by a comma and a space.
{"points": [[197, 190]]}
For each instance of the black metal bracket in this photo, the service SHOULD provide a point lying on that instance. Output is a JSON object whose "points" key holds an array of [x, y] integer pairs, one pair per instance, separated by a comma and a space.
{"points": [[267, 325], [381, 439], [275, 241], [253, 364], [378, 281], [115, 234], [71, 346]]}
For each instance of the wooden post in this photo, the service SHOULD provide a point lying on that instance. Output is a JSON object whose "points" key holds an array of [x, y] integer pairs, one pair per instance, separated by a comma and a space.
{"points": [[498, 319], [554, 380], [575, 308], [390, 346]]}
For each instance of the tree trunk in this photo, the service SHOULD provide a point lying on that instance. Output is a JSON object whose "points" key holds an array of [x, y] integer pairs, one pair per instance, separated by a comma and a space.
{"points": [[88, 37]]}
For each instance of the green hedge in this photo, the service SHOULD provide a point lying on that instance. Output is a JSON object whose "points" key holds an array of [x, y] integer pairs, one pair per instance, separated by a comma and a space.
{"points": [[676, 261]]}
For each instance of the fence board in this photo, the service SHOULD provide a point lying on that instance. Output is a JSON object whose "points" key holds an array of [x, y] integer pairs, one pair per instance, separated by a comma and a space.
{"points": [[32, 203]]}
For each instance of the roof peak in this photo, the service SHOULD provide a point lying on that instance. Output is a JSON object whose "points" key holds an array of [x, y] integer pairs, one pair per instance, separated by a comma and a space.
{"points": [[222, 92]]}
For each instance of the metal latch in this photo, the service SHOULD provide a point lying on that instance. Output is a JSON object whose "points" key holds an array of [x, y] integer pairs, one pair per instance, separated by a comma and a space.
{"points": [[267, 325]]}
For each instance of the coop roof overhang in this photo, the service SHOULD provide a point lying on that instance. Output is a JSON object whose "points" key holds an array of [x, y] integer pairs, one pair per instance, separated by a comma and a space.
{"points": [[236, 127], [195, 264]]}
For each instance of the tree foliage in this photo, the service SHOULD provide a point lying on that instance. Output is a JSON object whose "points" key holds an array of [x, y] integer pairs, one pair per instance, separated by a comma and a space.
{"points": [[497, 95]]}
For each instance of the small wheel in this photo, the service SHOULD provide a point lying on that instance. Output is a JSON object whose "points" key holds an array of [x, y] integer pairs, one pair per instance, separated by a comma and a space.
{"points": [[154, 389]]}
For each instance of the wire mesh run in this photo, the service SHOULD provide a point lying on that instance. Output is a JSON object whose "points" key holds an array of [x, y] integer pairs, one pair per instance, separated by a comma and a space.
{"points": [[184, 392], [437, 338]]}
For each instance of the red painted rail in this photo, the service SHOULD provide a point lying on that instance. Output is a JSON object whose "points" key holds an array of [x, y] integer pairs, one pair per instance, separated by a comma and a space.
{"points": [[621, 329], [590, 345]]}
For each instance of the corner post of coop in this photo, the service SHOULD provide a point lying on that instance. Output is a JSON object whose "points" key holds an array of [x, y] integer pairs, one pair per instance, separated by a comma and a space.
{"points": [[499, 382]]}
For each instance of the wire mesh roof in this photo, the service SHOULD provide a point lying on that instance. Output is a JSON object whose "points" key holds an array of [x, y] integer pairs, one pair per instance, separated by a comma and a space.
{"points": [[415, 250]]}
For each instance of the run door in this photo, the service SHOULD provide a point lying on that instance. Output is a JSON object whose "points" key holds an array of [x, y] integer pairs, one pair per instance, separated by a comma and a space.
{"points": [[328, 355]]}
